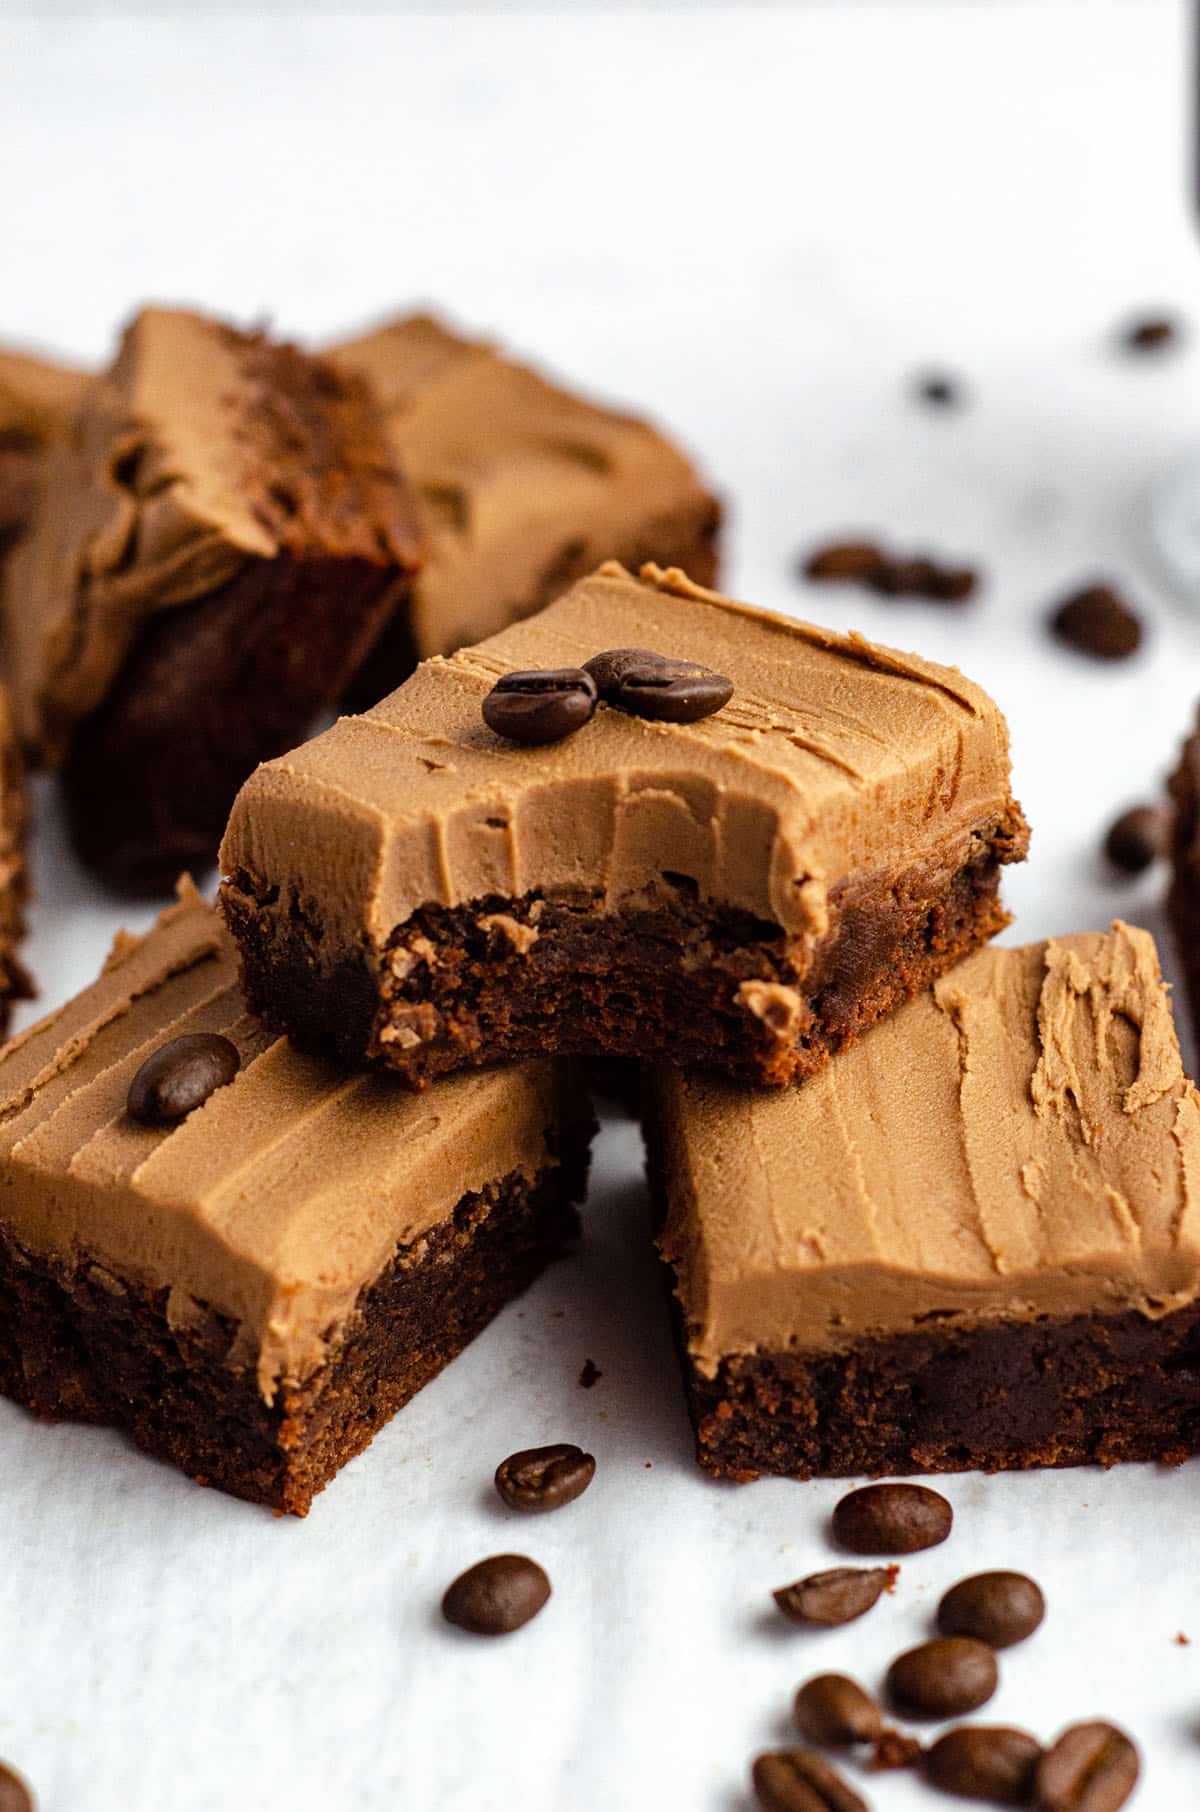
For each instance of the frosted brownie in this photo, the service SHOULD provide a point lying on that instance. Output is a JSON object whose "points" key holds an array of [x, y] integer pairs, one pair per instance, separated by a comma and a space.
{"points": [[218, 541], [14, 878], [253, 1290], [523, 487], [972, 1241], [745, 893], [37, 399], [1183, 899]]}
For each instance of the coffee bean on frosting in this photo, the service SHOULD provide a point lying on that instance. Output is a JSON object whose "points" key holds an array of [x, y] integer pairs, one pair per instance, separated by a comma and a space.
{"points": [[943, 1678], [1098, 621], [14, 1794], [990, 1762], [645, 684], [540, 706], [796, 1780], [544, 1478], [892, 1519], [837, 1596], [1138, 837], [833, 1709], [180, 1076], [998, 1608], [496, 1596], [1091, 1768]]}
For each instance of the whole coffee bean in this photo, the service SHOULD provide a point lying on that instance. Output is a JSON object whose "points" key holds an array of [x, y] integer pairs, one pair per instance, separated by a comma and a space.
{"points": [[1097, 621], [833, 1709], [985, 1761], [796, 1780], [837, 1596], [1092, 1768], [892, 1519], [1150, 334], [939, 389], [180, 1076], [850, 561], [645, 684], [1138, 837], [540, 706], [544, 1478], [943, 1678], [999, 1608], [14, 1794], [496, 1596]]}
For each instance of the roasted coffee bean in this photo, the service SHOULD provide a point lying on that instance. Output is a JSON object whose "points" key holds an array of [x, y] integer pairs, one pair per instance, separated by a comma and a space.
{"points": [[1092, 1768], [985, 1761], [938, 389], [540, 706], [544, 1478], [1150, 334], [833, 1709], [645, 684], [1138, 837], [180, 1076], [837, 1596], [496, 1596], [14, 1794], [998, 1608], [943, 1678], [850, 561], [892, 1519], [1098, 621], [796, 1780]]}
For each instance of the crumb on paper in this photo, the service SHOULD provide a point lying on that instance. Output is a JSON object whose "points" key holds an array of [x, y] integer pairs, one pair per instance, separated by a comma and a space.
{"points": [[590, 1374], [1183, 1641]]}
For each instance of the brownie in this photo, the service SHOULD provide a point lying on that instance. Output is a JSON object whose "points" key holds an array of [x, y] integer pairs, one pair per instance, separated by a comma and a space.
{"points": [[253, 1290], [1183, 898], [218, 541], [971, 1242], [746, 893], [523, 487], [14, 879], [37, 401]]}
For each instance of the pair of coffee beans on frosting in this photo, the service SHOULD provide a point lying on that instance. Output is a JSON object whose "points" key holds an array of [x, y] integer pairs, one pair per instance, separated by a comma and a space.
{"points": [[546, 705]]}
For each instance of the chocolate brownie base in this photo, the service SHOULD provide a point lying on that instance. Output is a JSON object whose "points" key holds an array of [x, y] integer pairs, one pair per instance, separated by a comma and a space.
{"points": [[82, 1346], [711, 989]]}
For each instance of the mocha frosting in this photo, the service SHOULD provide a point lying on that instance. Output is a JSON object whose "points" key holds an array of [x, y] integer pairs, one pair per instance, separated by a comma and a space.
{"points": [[834, 757], [1021, 1140], [517, 478], [37, 402], [279, 1200]]}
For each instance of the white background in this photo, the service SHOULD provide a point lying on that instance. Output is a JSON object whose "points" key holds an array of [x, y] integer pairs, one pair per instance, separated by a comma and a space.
{"points": [[756, 223]]}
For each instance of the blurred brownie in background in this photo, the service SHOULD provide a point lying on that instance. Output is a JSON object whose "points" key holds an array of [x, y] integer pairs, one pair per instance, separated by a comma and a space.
{"points": [[1183, 898], [36, 403], [14, 880]]}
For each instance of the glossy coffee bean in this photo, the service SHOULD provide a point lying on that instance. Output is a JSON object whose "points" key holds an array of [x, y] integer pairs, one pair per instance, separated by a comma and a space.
{"points": [[1138, 837], [540, 706], [998, 1608], [544, 1478], [496, 1596], [796, 1780], [14, 1794], [1098, 622], [943, 1678], [985, 1761], [180, 1076], [834, 1710], [892, 1519], [1091, 1768], [645, 684], [837, 1596]]}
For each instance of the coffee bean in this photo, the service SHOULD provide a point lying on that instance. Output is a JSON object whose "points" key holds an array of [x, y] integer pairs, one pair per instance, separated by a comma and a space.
{"points": [[943, 1678], [892, 1519], [652, 685], [1150, 334], [999, 1608], [180, 1076], [938, 389], [851, 561], [1138, 837], [1092, 1768], [496, 1596], [1098, 621], [833, 1709], [540, 706], [14, 1794], [795, 1780], [837, 1596], [544, 1478], [982, 1761]]}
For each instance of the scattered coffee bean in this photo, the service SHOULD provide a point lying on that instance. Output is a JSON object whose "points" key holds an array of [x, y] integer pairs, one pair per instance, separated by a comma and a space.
{"points": [[834, 1710], [795, 1780], [892, 1519], [1092, 1768], [544, 1478], [943, 1678], [1151, 333], [180, 1076], [1098, 621], [497, 1595], [893, 1749], [1138, 837], [837, 1596], [14, 1794], [938, 389], [849, 561], [982, 1761], [645, 684], [863, 563], [540, 706], [998, 1608]]}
